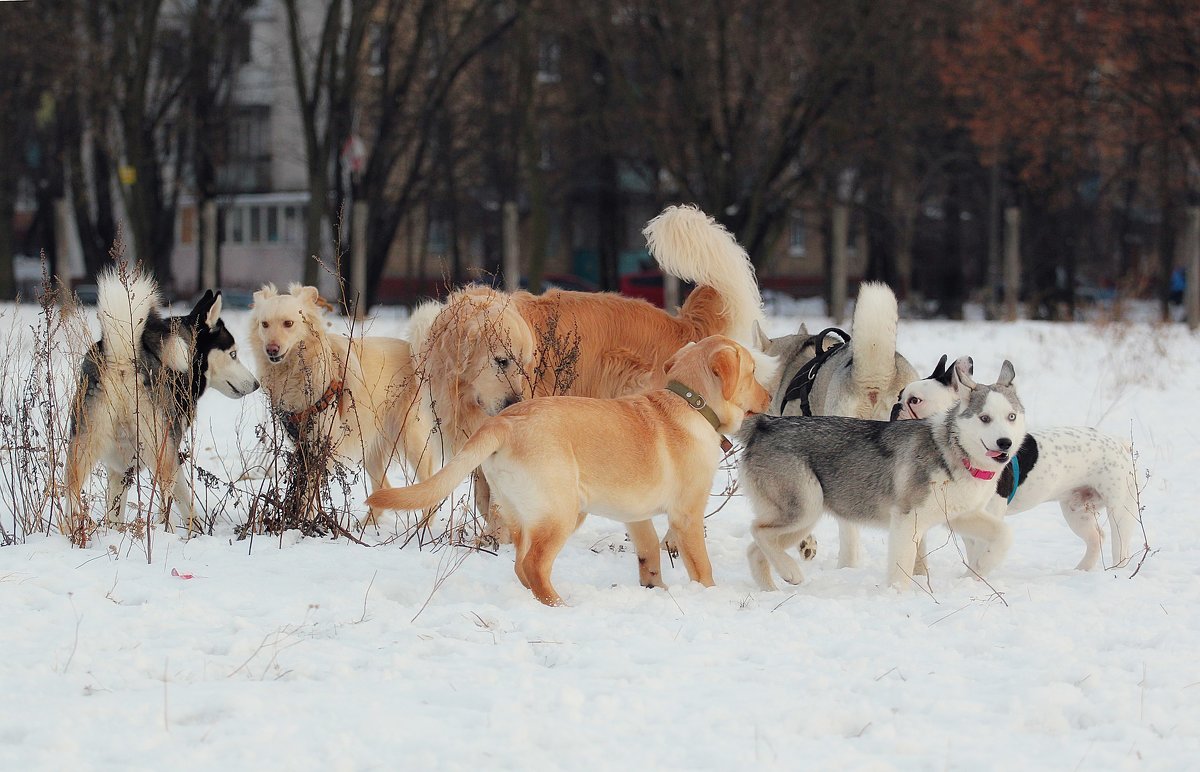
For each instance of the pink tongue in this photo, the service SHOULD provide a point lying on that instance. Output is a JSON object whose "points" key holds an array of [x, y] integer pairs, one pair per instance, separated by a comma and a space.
{"points": [[994, 454]]}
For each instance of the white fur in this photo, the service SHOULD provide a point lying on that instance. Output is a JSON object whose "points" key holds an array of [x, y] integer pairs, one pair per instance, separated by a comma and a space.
{"points": [[873, 343], [766, 368], [420, 323], [1079, 467], [176, 355], [123, 308], [689, 244]]}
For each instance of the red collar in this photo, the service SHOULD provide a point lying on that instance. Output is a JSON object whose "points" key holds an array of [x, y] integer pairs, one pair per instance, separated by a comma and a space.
{"points": [[978, 474], [296, 422]]}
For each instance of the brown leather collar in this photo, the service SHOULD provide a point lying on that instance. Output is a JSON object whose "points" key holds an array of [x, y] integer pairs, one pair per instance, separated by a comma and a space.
{"points": [[295, 422], [696, 401]]}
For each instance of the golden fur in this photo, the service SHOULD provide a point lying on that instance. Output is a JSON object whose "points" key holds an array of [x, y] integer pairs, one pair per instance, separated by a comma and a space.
{"points": [[376, 415], [488, 349], [551, 460]]}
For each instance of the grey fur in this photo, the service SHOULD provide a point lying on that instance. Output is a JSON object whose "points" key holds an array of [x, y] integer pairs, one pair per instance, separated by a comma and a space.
{"points": [[877, 474]]}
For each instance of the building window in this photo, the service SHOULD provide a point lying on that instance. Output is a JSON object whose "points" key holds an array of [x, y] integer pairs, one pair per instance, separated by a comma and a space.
{"points": [[439, 236], [797, 237], [233, 221], [255, 225], [243, 52], [272, 224], [292, 234], [247, 161], [549, 59], [375, 49]]}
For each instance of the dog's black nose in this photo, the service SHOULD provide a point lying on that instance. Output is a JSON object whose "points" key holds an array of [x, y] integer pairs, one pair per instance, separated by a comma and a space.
{"points": [[512, 399], [1004, 443]]}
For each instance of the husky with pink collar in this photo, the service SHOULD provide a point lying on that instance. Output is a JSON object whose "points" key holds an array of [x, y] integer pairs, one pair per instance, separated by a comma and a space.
{"points": [[1082, 469], [905, 477]]}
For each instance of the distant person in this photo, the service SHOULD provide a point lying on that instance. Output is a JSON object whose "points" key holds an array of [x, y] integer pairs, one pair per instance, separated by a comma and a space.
{"points": [[1178, 285]]}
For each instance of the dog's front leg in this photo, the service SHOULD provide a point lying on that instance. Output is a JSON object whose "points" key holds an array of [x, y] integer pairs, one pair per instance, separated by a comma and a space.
{"points": [[115, 497], [645, 541], [688, 522], [994, 538], [904, 538]]}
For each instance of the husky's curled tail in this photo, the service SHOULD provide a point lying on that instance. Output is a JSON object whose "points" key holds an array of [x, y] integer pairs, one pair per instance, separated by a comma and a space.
{"points": [[689, 244], [873, 344], [124, 306]]}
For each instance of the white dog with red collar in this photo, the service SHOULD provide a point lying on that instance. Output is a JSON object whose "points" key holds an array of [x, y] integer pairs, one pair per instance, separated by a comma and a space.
{"points": [[1080, 468]]}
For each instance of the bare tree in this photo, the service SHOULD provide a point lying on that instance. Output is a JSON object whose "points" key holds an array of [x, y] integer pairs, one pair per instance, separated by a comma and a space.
{"points": [[327, 61]]}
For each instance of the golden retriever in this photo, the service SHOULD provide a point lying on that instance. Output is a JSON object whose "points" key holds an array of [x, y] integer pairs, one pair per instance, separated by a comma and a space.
{"points": [[357, 394], [486, 350], [550, 460]]}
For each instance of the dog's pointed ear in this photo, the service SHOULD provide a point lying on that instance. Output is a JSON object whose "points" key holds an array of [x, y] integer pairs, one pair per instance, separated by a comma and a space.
{"points": [[940, 373], [803, 330], [761, 341], [1007, 373], [214, 310], [267, 291], [725, 365], [962, 373]]}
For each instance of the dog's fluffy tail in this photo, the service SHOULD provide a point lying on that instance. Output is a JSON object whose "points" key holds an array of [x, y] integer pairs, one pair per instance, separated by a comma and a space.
{"points": [[689, 244], [420, 323], [428, 494], [873, 337], [123, 306]]}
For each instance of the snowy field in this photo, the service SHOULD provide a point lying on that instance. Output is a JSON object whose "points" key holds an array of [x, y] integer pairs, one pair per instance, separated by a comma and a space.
{"points": [[307, 653]]}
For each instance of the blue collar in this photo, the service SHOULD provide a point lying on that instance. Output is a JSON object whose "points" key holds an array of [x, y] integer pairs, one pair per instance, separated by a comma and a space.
{"points": [[1016, 473]]}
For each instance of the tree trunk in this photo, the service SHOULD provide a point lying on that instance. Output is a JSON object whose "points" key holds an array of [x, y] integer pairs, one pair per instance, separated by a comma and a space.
{"points": [[314, 219]]}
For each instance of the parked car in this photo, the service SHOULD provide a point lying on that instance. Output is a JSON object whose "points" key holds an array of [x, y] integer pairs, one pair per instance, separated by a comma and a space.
{"points": [[647, 285]]}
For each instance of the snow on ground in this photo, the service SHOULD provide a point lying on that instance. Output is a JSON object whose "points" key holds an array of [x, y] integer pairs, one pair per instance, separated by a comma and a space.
{"points": [[305, 653]]}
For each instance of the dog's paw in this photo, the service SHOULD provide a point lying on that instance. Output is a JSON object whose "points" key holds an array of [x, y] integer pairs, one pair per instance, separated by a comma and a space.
{"points": [[791, 573], [808, 547]]}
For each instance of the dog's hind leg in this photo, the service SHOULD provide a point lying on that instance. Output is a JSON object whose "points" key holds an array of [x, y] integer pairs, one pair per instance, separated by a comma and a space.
{"points": [[114, 496], [1121, 501], [81, 458], [375, 461], [760, 567], [546, 539], [849, 547], [1082, 516], [645, 541]]}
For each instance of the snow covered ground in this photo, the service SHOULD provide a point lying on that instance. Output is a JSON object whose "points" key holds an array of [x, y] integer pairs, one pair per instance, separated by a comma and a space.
{"points": [[307, 653]]}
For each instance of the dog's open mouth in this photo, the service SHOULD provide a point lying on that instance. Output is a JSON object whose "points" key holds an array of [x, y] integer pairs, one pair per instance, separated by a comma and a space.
{"points": [[996, 455], [275, 358]]}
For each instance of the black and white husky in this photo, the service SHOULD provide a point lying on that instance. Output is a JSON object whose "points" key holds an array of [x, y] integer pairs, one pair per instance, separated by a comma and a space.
{"points": [[137, 394], [1080, 468], [903, 476]]}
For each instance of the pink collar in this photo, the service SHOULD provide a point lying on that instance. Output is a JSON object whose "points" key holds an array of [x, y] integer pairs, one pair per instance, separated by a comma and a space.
{"points": [[978, 474]]}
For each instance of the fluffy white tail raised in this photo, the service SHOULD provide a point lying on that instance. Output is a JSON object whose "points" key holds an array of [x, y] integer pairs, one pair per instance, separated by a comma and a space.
{"points": [[873, 336], [123, 308], [689, 244]]}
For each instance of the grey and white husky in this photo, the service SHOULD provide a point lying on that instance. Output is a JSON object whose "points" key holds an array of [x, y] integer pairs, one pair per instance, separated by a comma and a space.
{"points": [[137, 394], [904, 476], [1079, 467], [855, 380]]}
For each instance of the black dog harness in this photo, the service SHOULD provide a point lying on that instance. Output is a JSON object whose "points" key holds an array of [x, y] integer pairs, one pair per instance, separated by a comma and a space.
{"points": [[800, 387]]}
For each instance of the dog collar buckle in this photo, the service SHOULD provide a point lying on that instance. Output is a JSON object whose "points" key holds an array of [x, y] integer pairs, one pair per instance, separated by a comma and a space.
{"points": [[978, 474], [696, 401]]}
